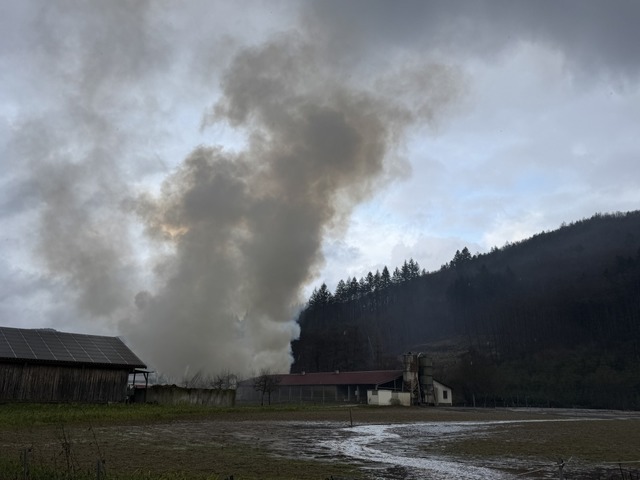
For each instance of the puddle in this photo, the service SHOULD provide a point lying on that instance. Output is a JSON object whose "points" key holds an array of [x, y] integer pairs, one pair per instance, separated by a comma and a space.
{"points": [[399, 446], [398, 451]]}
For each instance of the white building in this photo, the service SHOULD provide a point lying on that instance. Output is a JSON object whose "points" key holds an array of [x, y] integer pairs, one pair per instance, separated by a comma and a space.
{"points": [[443, 395], [388, 397]]}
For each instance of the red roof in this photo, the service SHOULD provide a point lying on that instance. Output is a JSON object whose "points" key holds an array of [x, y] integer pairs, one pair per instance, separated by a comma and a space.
{"points": [[376, 377]]}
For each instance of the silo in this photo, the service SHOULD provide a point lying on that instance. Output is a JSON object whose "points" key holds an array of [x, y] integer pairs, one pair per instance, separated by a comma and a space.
{"points": [[425, 379], [410, 376]]}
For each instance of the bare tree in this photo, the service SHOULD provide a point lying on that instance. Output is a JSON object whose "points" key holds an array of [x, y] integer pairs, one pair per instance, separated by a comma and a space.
{"points": [[265, 383], [194, 381], [223, 381]]}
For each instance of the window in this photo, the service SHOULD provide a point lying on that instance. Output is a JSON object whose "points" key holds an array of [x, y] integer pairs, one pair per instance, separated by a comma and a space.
{"points": [[445, 394]]}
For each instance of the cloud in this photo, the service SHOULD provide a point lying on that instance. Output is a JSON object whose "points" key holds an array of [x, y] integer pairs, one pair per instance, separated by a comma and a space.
{"points": [[593, 36]]}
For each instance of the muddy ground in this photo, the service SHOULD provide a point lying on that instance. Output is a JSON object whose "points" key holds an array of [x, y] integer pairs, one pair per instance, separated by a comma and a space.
{"points": [[386, 443]]}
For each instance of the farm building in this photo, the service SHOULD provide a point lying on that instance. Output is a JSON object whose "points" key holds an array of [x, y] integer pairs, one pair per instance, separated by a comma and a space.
{"points": [[443, 395], [323, 387], [45, 365], [414, 385], [388, 397]]}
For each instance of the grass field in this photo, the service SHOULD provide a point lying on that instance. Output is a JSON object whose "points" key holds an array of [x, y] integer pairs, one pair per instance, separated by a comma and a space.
{"points": [[139, 442]]}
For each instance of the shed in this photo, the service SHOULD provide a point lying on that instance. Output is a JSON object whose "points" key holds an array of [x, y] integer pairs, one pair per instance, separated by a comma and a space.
{"points": [[388, 397], [44, 365], [443, 394], [324, 387]]}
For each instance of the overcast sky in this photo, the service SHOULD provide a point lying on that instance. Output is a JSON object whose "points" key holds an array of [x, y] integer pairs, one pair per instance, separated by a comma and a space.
{"points": [[184, 173]]}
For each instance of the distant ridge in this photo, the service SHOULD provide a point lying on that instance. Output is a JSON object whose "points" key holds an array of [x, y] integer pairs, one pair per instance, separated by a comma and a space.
{"points": [[554, 319]]}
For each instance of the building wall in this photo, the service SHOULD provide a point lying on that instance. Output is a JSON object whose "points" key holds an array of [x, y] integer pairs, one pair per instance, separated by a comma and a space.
{"points": [[53, 383], [317, 394], [403, 398], [379, 397], [443, 394], [290, 394], [174, 395], [388, 397]]}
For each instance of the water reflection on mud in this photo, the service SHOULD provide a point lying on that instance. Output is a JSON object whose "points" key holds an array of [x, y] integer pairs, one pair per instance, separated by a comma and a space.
{"points": [[400, 446], [393, 451], [388, 451], [397, 451]]}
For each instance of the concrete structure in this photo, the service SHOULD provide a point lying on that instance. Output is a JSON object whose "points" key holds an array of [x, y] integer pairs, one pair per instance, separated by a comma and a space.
{"points": [[388, 397], [50, 366], [330, 387], [418, 378]]}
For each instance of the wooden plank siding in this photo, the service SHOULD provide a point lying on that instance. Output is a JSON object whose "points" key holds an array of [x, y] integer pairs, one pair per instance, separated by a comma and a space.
{"points": [[24, 382]]}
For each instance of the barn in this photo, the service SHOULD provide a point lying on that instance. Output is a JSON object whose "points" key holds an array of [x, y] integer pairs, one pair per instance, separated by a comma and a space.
{"points": [[414, 385], [44, 365], [323, 387]]}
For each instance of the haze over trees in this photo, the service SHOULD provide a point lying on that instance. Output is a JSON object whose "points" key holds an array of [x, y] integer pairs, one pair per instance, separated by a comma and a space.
{"points": [[552, 320]]}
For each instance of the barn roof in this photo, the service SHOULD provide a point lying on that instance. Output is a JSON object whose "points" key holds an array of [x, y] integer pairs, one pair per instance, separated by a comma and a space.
{"points": [[51, 346], [375, 377]]}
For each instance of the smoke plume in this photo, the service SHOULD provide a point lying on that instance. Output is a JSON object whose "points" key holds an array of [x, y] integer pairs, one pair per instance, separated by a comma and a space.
{"points": [[247, 228], [233, 235], [72, 156]]}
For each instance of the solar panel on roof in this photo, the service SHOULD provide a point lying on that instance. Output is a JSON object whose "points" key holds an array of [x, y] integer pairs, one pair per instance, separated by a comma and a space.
{"points": [[65, 357], [55, 349], [12, 337], [40, 351], [110, 352], [39, 347], [82, 357], [5, 350], [18, 341], [96, 354], [65, 347], [20, 344]]}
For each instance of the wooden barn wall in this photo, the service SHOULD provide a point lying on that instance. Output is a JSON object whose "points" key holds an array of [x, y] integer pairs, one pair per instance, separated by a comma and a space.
{"points": [[50, 383]]}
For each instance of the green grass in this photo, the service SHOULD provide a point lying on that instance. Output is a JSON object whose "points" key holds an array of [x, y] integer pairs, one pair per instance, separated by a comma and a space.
{"points": [[244, 463], [594, 441], [10, 469], [185, 442], [66, 440], [26, 415], [19, 415]]}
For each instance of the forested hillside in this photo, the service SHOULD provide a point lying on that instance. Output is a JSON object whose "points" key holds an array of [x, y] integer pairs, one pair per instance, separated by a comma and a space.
{"points": [[552, 320]]}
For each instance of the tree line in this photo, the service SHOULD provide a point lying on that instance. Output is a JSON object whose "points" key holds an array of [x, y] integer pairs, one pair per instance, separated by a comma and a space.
{"points": [[555, 318], [352, 288]]}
